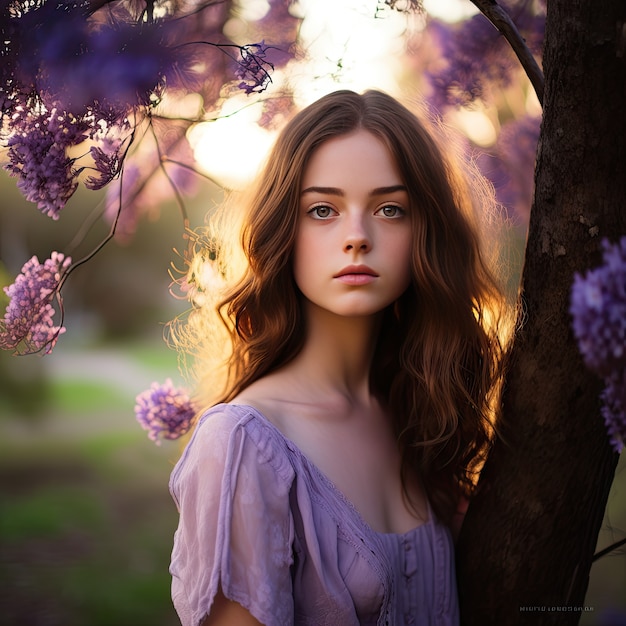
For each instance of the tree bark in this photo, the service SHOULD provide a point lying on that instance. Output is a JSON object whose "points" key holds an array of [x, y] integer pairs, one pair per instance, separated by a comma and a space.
{"points": [[526, 546]]}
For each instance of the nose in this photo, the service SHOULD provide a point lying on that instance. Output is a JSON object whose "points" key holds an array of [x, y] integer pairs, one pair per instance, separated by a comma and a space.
{"points": [[357, 238]]}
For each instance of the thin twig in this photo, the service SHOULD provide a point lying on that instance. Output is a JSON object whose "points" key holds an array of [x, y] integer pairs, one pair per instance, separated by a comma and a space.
{"points": [[161, 166], [605, 551], [503, 22], [191, 168]]}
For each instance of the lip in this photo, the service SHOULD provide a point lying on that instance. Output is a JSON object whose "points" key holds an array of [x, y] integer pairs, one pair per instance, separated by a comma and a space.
{"points": [[356, 275], [356, 269]]}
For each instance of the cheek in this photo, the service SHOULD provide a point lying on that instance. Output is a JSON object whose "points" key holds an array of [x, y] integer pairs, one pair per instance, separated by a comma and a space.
{"points": [[402, 250], [304, 255]]}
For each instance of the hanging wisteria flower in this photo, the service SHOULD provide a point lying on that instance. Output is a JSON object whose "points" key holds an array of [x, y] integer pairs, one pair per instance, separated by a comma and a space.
{"points": [[614, 409], [254, 69], [165, 411], [38, 156], [122, 61], [108, 160], [28, 325], [598, 308], [477, 57], [86, 84]]}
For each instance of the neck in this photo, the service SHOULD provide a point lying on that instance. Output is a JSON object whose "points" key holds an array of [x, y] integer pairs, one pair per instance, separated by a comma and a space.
{"points": [[337, 355]]}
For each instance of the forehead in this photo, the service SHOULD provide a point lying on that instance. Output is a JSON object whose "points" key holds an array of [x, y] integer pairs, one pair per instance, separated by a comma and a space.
{"points": [[358, 157]]}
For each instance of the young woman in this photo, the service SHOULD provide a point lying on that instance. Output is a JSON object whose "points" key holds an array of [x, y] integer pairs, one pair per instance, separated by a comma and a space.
{"points": [[363, 358]]}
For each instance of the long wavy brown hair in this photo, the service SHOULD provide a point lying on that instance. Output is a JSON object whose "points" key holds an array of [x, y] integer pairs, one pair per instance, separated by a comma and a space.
{"points": [[438, 364]]}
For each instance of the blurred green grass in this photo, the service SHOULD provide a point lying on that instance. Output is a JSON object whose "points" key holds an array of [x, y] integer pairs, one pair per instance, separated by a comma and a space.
{"points": [[77, 397], [86, 519], [85, 540]]}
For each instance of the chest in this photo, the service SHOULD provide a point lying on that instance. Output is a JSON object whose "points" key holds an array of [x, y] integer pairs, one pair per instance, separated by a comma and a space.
{"points": [[346, 573], [362, 460]]}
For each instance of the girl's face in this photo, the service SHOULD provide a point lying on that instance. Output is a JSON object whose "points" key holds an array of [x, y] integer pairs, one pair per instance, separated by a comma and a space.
{"points": [[354, 242]]}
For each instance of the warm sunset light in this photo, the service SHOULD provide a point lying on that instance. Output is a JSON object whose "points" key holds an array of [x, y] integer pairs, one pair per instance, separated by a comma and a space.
{"points": [[351, 45], [231, 148]]}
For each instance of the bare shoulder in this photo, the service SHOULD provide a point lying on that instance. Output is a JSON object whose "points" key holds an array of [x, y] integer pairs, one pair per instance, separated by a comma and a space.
{"points": [[268, 395], [289, 405]]}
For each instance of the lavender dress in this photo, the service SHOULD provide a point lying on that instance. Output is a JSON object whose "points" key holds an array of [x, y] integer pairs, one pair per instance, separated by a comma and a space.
{"points": [[260, 520]]}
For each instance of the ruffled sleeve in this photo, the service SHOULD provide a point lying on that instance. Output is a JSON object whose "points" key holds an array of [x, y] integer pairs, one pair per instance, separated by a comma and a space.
{"points": [[235, 531]]}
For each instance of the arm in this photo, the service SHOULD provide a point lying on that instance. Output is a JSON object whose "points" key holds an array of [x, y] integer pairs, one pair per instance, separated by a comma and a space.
{"points": [[235, 532], [225, 612]]}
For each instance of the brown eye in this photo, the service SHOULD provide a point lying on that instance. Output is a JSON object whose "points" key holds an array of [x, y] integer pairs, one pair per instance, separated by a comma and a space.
{"points": [[390, 210], [321, 212]]}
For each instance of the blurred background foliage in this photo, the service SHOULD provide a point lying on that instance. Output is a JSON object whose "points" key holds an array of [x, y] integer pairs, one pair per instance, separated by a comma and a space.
{"points": [[86, 521]]}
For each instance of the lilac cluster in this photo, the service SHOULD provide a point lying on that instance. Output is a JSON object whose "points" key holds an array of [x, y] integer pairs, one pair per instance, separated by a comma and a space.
{"points": [[477, 57], [38, 156], [254, 69], [80, 87], [598, 309], [115, 66], [107, 159], [614, 409], [112, 60], [57, 90], [28, 324], [165, 411]]}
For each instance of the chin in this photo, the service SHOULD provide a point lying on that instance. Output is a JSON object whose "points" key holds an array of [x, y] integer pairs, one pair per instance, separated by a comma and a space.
{"points": [[353, 307], [359, 312]]}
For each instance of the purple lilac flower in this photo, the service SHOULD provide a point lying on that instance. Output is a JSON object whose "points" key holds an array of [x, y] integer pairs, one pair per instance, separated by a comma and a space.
{"points": [[118, 66], [598, 309], [107, 162], [477, 57], [57, 90], [253, 68], [614, 409], [281, 27], [113, 57], [28, 324], [37, 155], [165, 411]]}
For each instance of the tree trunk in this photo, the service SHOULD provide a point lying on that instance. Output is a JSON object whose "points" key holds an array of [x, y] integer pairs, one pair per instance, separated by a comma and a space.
{"points": [[525, 549]]}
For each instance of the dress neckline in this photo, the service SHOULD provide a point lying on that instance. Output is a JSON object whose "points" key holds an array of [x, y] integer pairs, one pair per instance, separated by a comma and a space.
{"points": [[330, 484]]}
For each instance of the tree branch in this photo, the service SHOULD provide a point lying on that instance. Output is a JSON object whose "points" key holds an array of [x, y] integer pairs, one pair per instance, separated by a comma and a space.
{"points": [[502, 21]]}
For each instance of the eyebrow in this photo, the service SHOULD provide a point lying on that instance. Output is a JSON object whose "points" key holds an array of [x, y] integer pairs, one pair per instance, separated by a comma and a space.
{"points": [[335, 191]]}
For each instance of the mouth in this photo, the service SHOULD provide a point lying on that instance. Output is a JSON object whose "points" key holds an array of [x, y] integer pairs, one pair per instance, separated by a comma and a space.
{"points": [[356, 270], [356, 275]]}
